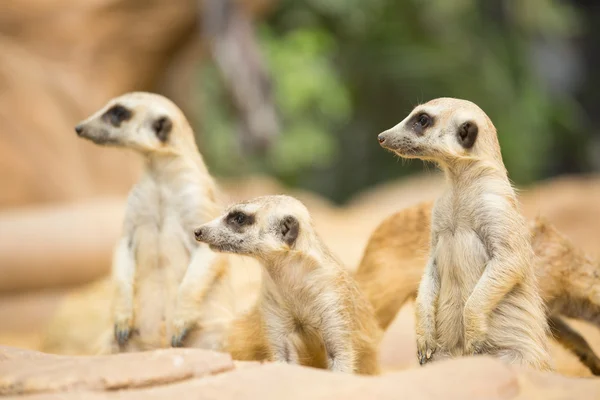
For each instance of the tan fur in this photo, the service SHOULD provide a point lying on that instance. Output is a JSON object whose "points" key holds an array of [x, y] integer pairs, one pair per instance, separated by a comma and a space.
{"points": [[167, 285], [310, 310], [479, 292]]}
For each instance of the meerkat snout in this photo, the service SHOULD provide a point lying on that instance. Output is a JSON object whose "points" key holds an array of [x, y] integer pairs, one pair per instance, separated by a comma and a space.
{"points": [[79, 129], [198, 234]]}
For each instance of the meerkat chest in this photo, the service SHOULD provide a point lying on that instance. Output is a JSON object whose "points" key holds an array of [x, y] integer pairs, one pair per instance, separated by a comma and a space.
{"points": [[161, 224], [296, 298], [460, 254]]}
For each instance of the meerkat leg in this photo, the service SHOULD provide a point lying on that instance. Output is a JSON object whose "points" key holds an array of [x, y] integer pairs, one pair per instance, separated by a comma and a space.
{"points": [[284, 351], [281, 342], [574, 342], [200, 275], [497, 280], [123, 277], [341, 355], [425, 305], [509, 356], [514, 357]]}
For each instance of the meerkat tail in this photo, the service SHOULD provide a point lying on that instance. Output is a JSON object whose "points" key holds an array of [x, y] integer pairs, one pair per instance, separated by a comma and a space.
{"points": [[571, 340], [394, 260]]}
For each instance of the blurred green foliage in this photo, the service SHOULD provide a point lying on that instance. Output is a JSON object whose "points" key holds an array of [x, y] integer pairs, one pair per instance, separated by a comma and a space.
{"points": [[345, 70]]}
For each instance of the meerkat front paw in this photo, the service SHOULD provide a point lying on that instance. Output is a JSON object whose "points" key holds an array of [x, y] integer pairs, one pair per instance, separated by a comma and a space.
{"points": [[426, 343], [181, 328], [426, 347], [123, 328], [475, 334]]}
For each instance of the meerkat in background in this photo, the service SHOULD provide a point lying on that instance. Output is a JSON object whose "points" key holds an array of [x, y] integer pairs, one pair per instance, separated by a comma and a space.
{"points": [[310, 310], [479, 292], [569, 281], [166, 283]]}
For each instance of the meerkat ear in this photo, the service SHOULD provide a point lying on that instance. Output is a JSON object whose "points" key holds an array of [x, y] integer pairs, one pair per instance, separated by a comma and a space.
{"points": [[289, 228], [467, 134], [162, 127]]}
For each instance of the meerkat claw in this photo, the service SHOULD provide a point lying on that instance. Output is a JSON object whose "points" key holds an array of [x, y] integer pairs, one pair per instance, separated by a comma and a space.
{"points": [[122, 334], [424, 356], [177, 340]]}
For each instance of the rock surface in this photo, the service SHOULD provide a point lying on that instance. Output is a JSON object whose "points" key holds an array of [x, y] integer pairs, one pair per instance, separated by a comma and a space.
{"points": [[26, 372], [193, 374]]}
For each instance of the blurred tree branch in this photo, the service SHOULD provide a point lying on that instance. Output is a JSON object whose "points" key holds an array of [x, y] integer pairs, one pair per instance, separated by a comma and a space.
{"points": [[233, 45]]}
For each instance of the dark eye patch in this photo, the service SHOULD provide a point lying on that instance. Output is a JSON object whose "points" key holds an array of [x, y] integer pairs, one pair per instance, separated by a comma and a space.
{"points": [[238, 219], [420, 122], [117, 114]]}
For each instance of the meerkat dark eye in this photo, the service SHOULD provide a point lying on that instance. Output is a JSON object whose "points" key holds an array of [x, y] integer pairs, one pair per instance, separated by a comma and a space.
{"points": [[238, 219], [116, 115], [162, 128], [424, 120], [420, 122]]}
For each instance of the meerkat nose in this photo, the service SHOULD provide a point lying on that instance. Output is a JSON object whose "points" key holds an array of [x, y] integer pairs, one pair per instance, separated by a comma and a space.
{"points": [[198, 233], [381, 138], [79, 129]]}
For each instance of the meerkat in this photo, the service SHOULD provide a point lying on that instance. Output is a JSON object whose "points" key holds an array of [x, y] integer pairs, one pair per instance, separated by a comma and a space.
{"points": [[569, 281], [167, 285], [310, 310], [479, 291]]}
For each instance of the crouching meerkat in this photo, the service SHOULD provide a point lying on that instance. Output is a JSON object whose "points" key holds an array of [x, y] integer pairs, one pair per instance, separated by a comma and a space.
{"points": [[310, 310], [166, 283], [479, 291]]}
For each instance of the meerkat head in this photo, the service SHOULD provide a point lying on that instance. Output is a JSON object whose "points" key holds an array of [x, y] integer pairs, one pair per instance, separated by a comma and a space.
{"points": [[142, 121], [260, 227], [443, 130]]}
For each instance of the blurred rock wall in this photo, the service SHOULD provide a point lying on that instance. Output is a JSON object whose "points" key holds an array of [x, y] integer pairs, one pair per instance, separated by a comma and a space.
{"points": [[63, 59]]}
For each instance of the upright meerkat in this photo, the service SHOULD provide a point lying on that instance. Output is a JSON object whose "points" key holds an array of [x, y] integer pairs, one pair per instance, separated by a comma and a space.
{"points": [[479, 291], [310, 310], [166, 283], [569, 281]]}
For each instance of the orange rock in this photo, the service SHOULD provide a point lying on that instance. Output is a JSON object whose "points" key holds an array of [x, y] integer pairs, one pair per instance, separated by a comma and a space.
{"points": [[26, 372]]}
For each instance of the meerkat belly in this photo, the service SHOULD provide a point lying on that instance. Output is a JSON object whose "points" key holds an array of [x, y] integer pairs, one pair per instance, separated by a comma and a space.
{"points": [[161, 259], [460, 259]]}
